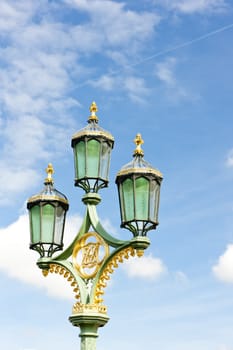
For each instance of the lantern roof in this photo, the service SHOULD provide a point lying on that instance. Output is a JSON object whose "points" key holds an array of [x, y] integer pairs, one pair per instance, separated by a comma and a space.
{"points": [[49, 193], [92, 129], [138, 165]]}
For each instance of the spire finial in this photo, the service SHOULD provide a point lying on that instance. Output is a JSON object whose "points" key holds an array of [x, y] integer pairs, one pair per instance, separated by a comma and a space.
{"points": [[50, 172], [138, 142], [93, 110]]}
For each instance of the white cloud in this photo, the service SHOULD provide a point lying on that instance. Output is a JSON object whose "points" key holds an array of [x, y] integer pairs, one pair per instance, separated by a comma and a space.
{"points": [[224, 347], [223, 270], [181, 278], [116, 25], [105, 82], [135, 87], [198, 6], [17, 261], [229, 159], [40, 64], [146, 267], [15, 13], [165, 71], [35, 78]]}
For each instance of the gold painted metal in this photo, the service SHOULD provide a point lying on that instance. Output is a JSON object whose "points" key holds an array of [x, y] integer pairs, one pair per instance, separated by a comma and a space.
{"points": [[45, 273], [93, 110], [89, 256], [97, 132], [138, 142], [41, 197], [46, 197], [109, 269], [93, 131], [140, 253], [50, 172], [79, 308], [55, 268], [140, 170]]}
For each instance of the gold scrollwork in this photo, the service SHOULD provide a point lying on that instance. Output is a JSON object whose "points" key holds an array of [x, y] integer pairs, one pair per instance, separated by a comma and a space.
{"points": [[82, 308], [89, 253], [61, 270], [109, 269]]}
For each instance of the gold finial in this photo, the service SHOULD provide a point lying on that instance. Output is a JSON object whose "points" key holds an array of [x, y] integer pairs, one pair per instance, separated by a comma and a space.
{"points": [[93, 110], [138, 142], [49, 171], [45, 273]]}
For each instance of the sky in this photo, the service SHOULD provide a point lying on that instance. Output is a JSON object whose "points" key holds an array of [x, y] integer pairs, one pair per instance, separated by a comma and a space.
{"points": [[161, 68]]}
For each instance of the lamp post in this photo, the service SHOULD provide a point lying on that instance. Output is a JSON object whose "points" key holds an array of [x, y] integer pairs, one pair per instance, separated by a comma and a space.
{"points": [[89, 261]]}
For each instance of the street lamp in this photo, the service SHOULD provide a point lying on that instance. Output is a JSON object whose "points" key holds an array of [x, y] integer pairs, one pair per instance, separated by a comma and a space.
{"points": [[91, 258]]}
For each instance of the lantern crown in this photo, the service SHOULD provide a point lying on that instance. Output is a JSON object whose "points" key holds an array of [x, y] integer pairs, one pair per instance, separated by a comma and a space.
{"points": [[139, 165], [49, 193]]}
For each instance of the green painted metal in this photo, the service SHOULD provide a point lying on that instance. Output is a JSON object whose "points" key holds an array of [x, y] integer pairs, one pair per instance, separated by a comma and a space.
{"points": [[93, 249], [88, 325], [89, 321]]}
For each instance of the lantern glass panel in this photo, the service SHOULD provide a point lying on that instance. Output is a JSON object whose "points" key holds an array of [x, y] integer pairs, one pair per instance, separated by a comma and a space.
{"points": [[154, 200], [60, 214], [141, 198], [128, 193], [48, 212], [93, 155], [35, 224], [80, 159], [105, 159]]}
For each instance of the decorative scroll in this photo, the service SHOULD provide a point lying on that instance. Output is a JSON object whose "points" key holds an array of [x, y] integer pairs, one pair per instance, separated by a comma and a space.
{"points": [[55, 268], [109, 269], [89, 308]]}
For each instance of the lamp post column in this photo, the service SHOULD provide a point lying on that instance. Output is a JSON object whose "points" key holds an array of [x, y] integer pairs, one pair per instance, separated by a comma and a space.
{"points": [[88, 324]]}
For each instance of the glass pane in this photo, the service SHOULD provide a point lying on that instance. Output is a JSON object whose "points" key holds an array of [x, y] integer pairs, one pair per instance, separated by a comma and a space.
{"points": [[121, 201], [60, 212], [80, 160], [141, 198], [154, 191], [128, 193], [48, 212], [93, 155], [105, 159], [35, 224]]}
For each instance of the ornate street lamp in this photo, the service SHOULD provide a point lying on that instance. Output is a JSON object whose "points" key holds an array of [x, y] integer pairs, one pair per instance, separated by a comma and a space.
{"points": [[91, 258], [139, 190]]}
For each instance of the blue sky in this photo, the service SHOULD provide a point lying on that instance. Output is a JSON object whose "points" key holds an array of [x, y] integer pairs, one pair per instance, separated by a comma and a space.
{"points": [[162, 68]]}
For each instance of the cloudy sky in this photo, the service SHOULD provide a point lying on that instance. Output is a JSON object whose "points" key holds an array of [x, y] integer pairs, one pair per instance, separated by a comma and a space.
{"points": [[163, 68]]}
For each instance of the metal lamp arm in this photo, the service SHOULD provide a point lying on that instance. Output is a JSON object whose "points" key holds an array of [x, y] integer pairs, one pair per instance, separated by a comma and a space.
{"points": [[94, 219]]}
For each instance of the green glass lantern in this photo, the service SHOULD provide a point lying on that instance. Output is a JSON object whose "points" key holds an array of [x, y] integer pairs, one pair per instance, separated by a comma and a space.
{"points": [[92, 147], [47, 218], [139, 191]]}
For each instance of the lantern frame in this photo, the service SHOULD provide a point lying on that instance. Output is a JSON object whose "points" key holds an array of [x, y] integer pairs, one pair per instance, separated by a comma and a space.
{"points": [[47, 235], [92, 147], [142, 217]]}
